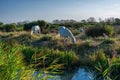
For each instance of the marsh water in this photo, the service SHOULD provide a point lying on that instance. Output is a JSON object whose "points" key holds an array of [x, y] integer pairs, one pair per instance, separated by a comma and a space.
{"points": [[78, 74]]}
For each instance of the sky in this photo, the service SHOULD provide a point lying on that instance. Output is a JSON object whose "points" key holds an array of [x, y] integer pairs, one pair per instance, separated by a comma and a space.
{"points": [[12, 11]]}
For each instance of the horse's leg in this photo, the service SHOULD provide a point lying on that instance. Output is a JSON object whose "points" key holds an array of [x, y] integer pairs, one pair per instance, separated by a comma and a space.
{"points": [[66, 40], [31, 32]]}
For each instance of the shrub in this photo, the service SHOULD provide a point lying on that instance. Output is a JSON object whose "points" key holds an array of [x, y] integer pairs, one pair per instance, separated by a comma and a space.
{"points": [[43, 25], [109, 41], [94, 31], [9, 27], [98, 31], [109, 30]]}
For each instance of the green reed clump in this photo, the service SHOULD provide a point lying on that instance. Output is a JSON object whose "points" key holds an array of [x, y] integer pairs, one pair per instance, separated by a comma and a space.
{"points": [[108, 70], [115, 68], [28, 53], [11, 64], [105, 67], [67, 58], [46, 57]]}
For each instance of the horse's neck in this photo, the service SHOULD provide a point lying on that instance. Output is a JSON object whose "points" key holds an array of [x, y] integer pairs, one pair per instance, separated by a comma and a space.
{"points": [[72, 37]]}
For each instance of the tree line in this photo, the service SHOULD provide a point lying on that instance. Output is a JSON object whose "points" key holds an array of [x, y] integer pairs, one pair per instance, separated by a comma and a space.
{"points": [[46, 27]]}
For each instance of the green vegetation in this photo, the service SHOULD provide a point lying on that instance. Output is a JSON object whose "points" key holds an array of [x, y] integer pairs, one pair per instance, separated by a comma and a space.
{"points": [[11, 27], [46, 38], [19, 61], [67, 59], [21, 53], [99, 31], [43, 25], [109, 41], [12, 64], [107, 67]]}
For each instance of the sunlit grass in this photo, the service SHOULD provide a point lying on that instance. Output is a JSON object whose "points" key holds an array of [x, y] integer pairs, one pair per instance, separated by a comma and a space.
{"points": [[11, 64], [46, 57]]}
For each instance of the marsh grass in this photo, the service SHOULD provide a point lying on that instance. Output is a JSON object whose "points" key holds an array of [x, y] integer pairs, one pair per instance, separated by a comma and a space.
{"points": [[18, 53], [28, 53], [11, 64], [105, 67], [46, 57]]}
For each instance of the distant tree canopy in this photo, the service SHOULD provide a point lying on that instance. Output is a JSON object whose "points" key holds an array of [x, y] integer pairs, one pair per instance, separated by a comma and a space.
{"points": [[47, 27], [83, 21], [63, 21], [117, 21], [91, 20]]}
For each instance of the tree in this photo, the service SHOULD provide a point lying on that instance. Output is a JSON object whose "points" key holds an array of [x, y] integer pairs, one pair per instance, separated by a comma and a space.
{"points": [[28, 26], [83, 21], [110, 20], [43, 25], [101, 22], [1, 23], [1, 26], [91, 19], [56, 21], [117, 21]]}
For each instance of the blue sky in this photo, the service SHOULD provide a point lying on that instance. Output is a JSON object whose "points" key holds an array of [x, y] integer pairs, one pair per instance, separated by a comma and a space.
{"points": [[49, 10]]}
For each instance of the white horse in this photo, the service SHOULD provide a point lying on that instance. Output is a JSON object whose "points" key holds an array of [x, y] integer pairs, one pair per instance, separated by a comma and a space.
{"points": [[65, 32], [82, 33], [81, 30], [35, 29]]}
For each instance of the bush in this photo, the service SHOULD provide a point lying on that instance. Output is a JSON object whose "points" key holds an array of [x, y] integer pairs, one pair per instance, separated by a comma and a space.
{"points": [[44, 26], [109, 30], [28, 26], [109, 41], [98, 31], [94, 31], [9, 27]]}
